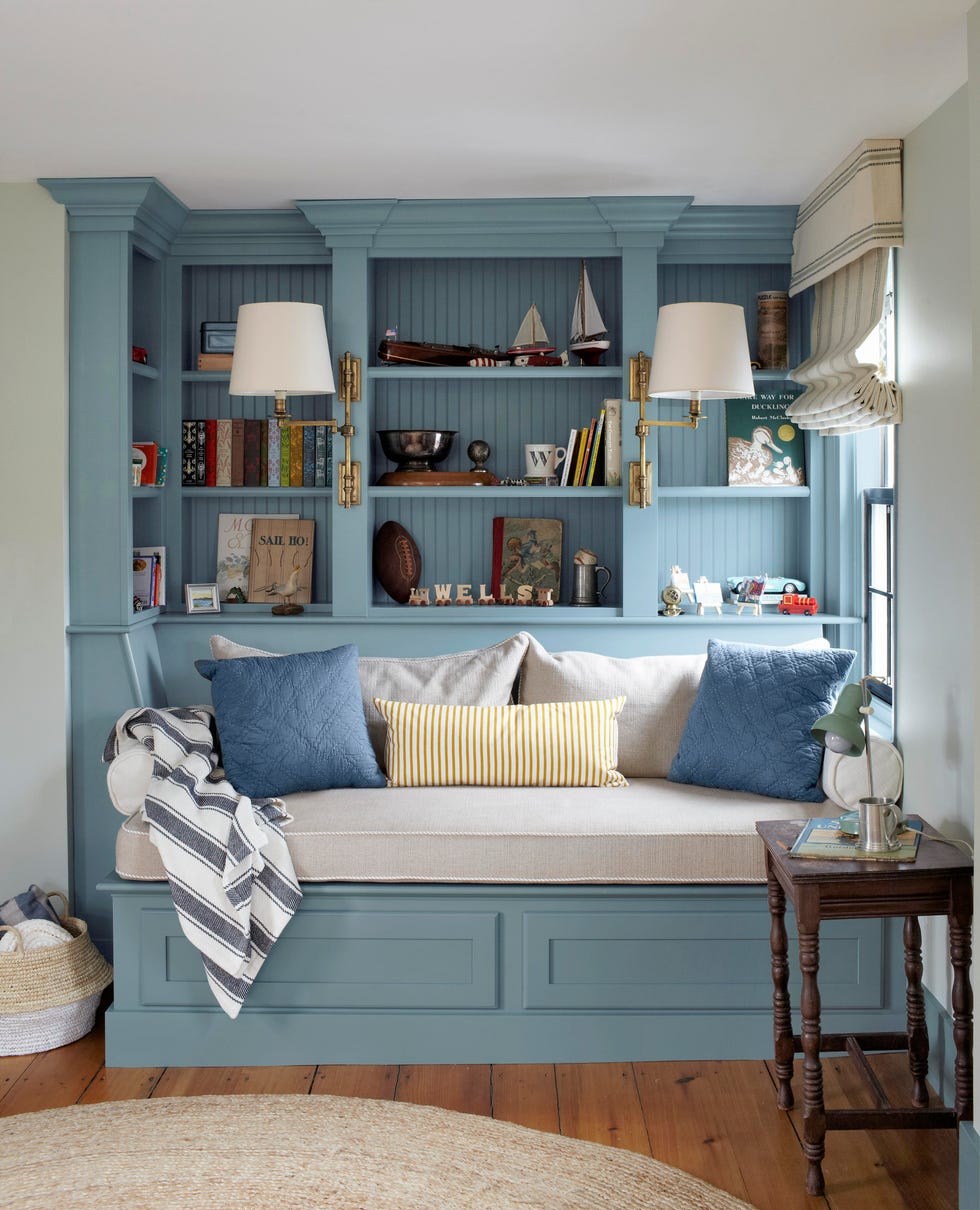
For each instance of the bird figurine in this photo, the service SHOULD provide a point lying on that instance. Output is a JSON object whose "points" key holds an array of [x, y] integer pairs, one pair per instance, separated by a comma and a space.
{"points": [[287, 590]]}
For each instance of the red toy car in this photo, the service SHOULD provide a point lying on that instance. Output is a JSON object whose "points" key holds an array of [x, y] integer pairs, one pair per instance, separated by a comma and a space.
{"points": [[792, 602]]}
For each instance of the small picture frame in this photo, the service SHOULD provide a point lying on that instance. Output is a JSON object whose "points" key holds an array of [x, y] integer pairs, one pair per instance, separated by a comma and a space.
{"points": [[202, 598]]}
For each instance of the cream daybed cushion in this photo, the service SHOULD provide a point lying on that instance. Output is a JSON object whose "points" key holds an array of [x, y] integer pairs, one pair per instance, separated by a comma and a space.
{"points": [[652, 831]]}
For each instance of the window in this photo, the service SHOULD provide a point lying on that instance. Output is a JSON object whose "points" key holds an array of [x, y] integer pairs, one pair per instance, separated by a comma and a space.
{"points": [[879, 519]]}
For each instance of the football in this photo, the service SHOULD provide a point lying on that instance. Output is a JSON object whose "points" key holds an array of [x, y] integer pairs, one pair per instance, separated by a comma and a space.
{"points": [[397, 561]]}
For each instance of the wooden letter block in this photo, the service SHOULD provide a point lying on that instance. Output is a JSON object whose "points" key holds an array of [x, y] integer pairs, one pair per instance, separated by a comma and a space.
{"points": [[486, 598], [464, 594], [443, 594], [418, 596], [525, 594], [544, 596]]}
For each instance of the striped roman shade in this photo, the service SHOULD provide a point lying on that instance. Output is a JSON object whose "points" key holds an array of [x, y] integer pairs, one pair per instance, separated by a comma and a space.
{"points": [[550, 744]]}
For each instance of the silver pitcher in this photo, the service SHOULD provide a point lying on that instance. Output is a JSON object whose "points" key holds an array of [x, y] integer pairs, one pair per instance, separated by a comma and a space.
{"points": [[586, 589]]}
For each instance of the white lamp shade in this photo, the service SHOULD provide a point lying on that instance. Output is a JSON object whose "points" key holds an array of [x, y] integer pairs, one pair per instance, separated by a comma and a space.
{"points": [[281, 347], [701, 350]]}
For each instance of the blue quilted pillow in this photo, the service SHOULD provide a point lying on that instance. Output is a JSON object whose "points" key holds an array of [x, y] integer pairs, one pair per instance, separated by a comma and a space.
{"points": [[749, 727], [292, 723]]}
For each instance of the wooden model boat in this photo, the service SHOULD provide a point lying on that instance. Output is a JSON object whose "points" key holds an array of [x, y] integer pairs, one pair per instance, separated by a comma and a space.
{"points": [[426, 353], [531, 337], [588, 341]]}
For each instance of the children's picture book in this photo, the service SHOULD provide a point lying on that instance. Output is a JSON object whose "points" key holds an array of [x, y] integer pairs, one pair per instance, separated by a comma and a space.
{"points": [[765, 448], [823, 838], [281, 561], [235, 548], [526, 551]]}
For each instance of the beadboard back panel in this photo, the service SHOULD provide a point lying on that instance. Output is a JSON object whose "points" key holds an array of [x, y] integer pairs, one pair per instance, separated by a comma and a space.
{"points": [[456, 539], [473, 301]]}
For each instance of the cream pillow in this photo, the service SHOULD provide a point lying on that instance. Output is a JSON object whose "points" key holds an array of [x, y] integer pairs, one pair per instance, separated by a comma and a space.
{"points": [[659, 691], [485, 677], [551, 744]]}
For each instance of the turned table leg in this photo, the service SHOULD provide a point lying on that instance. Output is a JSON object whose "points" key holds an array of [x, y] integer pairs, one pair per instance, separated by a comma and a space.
{"points": [[782, 1020], [814, 1118], [960, 952], [915, 1012]]}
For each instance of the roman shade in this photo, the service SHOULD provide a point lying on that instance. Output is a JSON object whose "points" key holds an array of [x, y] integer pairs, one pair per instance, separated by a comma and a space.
{"points": [[840, 247]]}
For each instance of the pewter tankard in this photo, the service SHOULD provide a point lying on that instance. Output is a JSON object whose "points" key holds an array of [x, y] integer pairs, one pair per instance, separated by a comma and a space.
{"points": [[878, 824], [586, 589]]}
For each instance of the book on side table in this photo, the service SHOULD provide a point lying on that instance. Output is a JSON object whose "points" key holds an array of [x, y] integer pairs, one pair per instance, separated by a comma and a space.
{"points": [[823, 838]]}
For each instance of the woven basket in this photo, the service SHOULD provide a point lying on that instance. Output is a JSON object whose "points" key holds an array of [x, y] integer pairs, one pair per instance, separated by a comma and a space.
{"points": [[49, 996]]}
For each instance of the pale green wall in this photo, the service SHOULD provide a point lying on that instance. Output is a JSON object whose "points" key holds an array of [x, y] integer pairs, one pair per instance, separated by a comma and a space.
{"points": [[33, 407], [937, 572]]}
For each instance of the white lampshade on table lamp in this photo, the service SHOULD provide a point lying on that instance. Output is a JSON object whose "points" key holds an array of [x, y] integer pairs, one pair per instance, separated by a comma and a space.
{"points": [[701, 352], [281, 350]]}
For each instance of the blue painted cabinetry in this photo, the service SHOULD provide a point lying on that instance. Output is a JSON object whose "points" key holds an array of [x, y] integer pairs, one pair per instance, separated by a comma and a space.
{"points": [[145, 270]]}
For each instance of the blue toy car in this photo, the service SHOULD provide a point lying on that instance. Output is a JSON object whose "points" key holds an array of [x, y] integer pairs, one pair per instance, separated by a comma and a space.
{"points": [[773, 590]]}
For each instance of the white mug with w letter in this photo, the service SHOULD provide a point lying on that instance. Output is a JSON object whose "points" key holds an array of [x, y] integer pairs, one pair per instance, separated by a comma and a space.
{"points": [[543, 459]]}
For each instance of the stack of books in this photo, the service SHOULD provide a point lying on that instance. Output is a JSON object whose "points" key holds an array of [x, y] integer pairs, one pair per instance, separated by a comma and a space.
{"points": [[595, 451], [149, 576], [254, 453]]}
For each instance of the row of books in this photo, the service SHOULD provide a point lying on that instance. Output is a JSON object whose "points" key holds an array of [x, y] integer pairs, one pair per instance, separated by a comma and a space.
{"points": [[149, 576], [151, 459], [595, 451], [253, 453]]}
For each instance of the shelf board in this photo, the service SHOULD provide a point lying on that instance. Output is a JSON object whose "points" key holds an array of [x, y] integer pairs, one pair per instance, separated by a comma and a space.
{"points": [[771, 375], [731, 493], [253, 613], [148, 492], [455, 372], [143, 371], [478, 492], [202, 492], [453, 614], [206, 376]]}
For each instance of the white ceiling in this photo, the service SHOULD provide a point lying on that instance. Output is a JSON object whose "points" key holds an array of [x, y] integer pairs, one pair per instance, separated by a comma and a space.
{"points": [[255, 103]]}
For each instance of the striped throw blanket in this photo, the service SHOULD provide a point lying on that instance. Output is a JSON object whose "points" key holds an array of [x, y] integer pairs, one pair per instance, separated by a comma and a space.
{"points": [[231, 875]]}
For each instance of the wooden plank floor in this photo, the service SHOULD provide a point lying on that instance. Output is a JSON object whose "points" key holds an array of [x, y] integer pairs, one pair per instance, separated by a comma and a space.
{"points": [[718, 1121]]}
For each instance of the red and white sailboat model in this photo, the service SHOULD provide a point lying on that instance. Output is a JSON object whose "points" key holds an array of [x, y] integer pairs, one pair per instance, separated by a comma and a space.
{"points": [[588, 337]]}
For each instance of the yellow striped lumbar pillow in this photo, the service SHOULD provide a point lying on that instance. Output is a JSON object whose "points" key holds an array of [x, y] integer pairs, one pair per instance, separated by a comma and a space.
{"points": [[548, 744]]}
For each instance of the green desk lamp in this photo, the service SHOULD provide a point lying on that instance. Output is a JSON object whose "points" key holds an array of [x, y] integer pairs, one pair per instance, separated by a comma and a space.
{"points": [[847, 730]]}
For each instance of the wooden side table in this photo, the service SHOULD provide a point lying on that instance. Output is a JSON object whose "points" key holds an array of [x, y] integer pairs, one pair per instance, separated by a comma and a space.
{"points": [[938, 883]]}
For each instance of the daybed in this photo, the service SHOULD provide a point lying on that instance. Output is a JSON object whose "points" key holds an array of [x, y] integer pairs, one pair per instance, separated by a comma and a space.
{"points": [[494, 923]]}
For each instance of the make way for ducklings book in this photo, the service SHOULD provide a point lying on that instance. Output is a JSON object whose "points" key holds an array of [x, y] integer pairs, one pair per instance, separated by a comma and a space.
{"points": [[825, 839]]}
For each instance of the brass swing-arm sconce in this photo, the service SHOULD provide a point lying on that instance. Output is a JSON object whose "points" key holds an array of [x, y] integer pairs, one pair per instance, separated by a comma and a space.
{"points": [[286, 343], [701, 344]]}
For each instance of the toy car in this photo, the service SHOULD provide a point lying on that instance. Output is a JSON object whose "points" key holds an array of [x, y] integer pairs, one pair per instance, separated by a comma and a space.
{"points": [[792, 602], [775, 587]]}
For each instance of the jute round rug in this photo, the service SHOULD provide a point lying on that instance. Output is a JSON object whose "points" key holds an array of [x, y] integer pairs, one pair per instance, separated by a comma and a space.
{"points": [[293, 1152]]}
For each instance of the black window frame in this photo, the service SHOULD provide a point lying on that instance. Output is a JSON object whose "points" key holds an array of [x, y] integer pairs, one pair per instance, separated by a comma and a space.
{"points": [[882, 497]]}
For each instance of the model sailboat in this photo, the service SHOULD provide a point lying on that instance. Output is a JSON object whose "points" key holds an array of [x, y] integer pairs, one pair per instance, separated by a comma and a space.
{"points": [[588, 341], [531, 337]]}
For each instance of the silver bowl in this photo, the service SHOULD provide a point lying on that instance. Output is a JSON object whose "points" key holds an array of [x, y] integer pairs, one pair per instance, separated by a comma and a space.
{"points": [[416, 449]]}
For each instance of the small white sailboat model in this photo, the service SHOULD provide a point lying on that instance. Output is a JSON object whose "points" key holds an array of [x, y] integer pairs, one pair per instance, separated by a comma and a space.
{"points": [[531, 337], [588, 341]]}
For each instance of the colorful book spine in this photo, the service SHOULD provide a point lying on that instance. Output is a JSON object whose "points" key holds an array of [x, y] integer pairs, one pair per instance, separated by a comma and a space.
{"points": [[264, 453], [296, 457], [161, 478], [579, 456], [586, 453], [210, 453], [188, 453], [237, 452], [273, 446], [251, 457], [202, 444], [596, 443], [285, 439], [309, 457], [223, 453], [613, 457], [320, 458]]}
